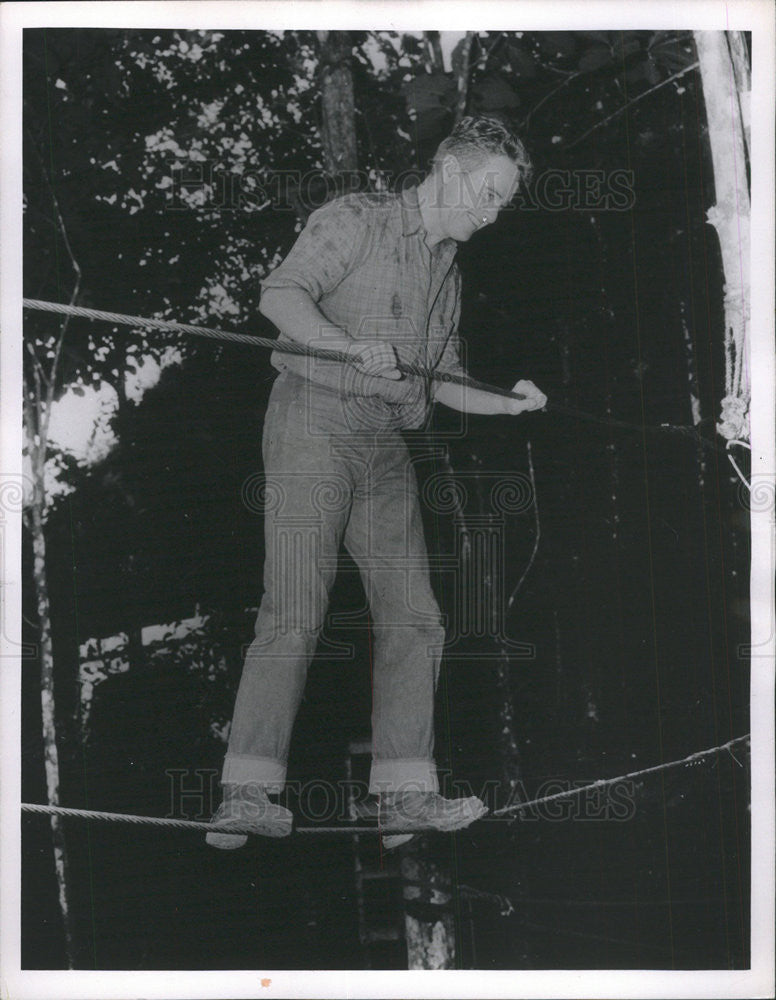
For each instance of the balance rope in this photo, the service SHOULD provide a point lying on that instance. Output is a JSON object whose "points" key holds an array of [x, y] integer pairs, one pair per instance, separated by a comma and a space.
{"points": [[631, 776], [284, 346], [281, 345], [353, 829]]}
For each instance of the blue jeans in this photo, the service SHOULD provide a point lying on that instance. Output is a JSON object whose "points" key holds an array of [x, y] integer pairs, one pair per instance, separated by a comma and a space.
{"points": [[333, 474]]}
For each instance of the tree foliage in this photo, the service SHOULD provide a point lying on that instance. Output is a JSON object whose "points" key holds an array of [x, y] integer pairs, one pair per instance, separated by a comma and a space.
{"points": [[182, 162]]}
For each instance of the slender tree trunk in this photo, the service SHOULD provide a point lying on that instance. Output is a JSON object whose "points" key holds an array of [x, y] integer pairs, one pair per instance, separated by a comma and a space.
{"points": [[434, 46], [463, 74], [38, 401], [730, 215], [50, 751], [338, 119], [39, 394]]}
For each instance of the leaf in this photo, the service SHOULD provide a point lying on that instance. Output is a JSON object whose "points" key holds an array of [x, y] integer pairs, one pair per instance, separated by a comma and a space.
{"points": [[410, 45], [660, 37], [671, 57], [429, 91], [595, 58], [522, 62], [636, 73], [492, 93], [431, 123], [623, 49], [556, 43], [603, 37]]}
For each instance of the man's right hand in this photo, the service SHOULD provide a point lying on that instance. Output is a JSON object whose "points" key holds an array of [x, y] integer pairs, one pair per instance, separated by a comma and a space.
{"points": [[375, 357]]}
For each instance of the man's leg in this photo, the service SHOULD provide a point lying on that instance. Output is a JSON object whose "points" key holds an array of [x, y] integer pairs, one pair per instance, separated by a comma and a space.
{"points": [[385, 537], [306, 504]]}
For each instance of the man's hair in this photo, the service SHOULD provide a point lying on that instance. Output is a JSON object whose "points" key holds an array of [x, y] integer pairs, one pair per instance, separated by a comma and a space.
{"points": [[477, 137]]}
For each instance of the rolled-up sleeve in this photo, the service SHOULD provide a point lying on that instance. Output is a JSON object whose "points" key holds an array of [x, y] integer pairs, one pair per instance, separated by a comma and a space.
{"points": [[329, 247]]}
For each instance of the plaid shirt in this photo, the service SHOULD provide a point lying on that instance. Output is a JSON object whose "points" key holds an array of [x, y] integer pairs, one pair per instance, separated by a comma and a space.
{"points": [[363, 260]]}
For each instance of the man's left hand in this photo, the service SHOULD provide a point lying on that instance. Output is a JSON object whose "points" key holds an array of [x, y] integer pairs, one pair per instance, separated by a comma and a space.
{"points": [[534, 398]]}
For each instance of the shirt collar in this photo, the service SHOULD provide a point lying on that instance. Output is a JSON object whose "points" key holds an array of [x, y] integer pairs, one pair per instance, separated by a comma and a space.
{"points": [[411, 219]]}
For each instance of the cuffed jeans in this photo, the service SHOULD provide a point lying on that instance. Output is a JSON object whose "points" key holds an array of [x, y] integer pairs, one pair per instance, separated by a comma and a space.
{"points": [[329, 477]]}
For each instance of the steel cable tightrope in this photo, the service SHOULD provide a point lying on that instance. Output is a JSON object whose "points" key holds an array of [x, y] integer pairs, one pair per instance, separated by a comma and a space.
{"points": [[631, 776], [285, 346], [281, 345], [350, 830]]}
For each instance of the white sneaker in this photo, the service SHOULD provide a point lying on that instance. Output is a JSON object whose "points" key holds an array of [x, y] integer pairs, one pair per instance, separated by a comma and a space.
{"points": [[425, 811], [248, 808]]}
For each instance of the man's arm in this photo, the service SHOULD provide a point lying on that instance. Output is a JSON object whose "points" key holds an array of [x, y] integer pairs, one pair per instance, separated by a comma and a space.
{"points": [[466, 400], [325, 251], [295, 314]]}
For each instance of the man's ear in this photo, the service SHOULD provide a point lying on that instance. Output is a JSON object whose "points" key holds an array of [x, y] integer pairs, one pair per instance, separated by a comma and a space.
{"points": [[450, 166]]}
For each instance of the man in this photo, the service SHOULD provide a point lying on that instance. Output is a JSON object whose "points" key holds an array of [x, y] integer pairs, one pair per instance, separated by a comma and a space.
{"points": [[371, 275]]}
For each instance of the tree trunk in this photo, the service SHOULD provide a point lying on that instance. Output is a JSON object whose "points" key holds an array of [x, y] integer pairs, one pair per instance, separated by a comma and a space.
{"points": [[50, 752], [463, 68], [739, 57], [428, 919], [338, 119], [435, 58], [39, 395], [729, 216]]}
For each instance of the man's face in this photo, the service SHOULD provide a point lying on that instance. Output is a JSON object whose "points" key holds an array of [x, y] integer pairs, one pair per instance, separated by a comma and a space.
{"points": [[471, 199]]}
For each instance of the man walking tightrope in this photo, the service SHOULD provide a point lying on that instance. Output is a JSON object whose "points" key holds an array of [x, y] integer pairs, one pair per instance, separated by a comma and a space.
{"points": [[372, 275]]}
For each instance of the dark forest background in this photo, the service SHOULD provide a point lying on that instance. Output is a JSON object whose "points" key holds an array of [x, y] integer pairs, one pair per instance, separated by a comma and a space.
{"points": [[157, 168]]}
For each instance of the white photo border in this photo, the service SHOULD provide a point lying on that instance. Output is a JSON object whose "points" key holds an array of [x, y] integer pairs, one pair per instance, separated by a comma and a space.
{"points": [[756, 16]]}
